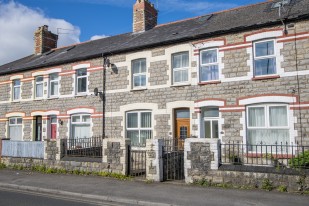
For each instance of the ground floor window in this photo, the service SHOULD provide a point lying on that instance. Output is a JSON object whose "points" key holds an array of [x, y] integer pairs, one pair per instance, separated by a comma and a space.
{"points": [[138, 127], [80, 126], [210, 122], [15, 128], [267, 124]]}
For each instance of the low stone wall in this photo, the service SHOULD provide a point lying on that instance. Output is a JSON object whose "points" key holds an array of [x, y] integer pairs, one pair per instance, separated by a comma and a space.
{"points": [[114, 158], [154, 163]]}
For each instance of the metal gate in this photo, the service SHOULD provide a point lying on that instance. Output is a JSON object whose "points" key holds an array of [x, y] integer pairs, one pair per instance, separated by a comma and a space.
{"points": [[136, 163], [173, 159]]}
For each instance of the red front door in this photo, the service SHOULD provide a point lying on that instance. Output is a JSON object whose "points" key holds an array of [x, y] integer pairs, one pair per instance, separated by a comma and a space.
{"points": [[53, 127]]}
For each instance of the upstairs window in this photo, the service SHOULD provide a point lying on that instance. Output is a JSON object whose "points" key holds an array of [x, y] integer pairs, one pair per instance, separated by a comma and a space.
{"points": [[39, 87], [139, 73], [139, 127], [81, 80], [53, 85], [264, 58], [16, 89], [180, 67], [209, 65], [15, 128]]}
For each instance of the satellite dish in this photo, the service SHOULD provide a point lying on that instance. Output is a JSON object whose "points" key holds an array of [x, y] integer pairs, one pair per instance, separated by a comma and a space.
{"points": [[96, 91]]}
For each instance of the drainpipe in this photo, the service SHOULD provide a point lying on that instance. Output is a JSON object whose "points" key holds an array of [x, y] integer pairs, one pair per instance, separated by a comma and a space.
{"points": [[105, 63]]}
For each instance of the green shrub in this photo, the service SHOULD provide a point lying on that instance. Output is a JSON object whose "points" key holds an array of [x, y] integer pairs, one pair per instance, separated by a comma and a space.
{"points": [[282, 188], [203, 182], [267, 185], [2, 165], [302, 160]]}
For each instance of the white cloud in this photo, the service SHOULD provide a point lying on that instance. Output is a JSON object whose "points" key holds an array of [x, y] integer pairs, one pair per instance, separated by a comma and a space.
{"points": [[95, 37], [18, 23]]}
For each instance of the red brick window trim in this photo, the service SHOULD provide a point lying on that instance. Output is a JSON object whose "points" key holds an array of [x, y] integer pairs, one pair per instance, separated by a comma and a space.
{"points": [[266, 77]]}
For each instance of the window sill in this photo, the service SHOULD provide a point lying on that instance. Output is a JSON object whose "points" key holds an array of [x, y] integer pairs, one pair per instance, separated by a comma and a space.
{"points": [[138, 89], [210, 82], [50, 98], [265, 77], [181, 85], [81, 94], [16, 101], [39, 99]]}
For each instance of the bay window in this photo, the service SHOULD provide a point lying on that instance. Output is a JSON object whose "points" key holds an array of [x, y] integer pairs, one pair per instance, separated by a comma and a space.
{"points": [[264, 58], [139, 127], [139, 73], [180, 63], [209, 66], [80, 126], [267, 124], [15, 128]]}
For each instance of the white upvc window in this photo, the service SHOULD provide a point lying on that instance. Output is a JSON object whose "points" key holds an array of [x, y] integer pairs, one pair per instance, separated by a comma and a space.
{"points": [[264, 58], [211, 122], [180, 63], [139, 76], [81, 81], [39, 84], [139, 127], [15, 128], [16, 89], [209, 65], [53, 85], [80, 126], [267, 124]]}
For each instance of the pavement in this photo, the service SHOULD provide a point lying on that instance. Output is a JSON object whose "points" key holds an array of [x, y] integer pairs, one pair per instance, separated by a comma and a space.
{"points": [[131, 192]]}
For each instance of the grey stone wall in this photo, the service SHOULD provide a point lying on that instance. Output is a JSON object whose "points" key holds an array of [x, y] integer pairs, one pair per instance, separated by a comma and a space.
{"points": [[5, 92], [158, 73], [162, 126], [26, 88], [51, 150], [235, 63]]}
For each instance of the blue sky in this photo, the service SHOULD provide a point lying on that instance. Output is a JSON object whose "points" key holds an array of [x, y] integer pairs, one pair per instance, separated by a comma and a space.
{"points": [[87, 19]]}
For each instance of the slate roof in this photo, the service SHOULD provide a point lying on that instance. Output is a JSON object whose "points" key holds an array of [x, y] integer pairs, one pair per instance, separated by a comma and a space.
{"points": [[242, 18]]}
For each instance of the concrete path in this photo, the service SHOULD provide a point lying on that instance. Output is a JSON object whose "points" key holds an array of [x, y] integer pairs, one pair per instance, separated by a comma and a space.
{"points": [[141, 193]]}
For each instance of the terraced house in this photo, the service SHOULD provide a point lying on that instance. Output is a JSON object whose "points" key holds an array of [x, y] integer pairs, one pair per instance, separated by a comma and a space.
{"points": [[240, 74]]}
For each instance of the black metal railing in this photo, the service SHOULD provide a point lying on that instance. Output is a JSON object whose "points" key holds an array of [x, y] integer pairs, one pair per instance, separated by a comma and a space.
{"points": [[276, 155], [83, 147]]}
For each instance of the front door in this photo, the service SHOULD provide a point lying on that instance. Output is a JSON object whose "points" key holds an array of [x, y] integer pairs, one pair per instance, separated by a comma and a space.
{"points": [[53, 127], [38, 128], [182, 123]]}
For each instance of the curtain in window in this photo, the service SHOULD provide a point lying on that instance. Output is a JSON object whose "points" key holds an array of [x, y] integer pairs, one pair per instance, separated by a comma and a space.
{"points": [[210, 73], [181, 75], [278, 116], [80, 131], [132, 120], [15, 132], [16, 93], [145, 119], [209, 56], [39, 90], [256, 117]]}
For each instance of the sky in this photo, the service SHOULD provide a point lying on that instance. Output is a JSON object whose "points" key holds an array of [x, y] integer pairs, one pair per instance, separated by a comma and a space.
{"points": [[83, 20]]}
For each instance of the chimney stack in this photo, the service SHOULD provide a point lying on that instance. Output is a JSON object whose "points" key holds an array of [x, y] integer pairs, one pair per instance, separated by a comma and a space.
{"points": [[145, 16], [44, 40]]}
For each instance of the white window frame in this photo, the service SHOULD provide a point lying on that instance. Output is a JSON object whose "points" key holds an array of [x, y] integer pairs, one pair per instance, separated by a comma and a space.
{"points": [[139, 74], [80, 123], [80, 77], [266, 117], [50, 85], [36, 84], [264, 57], [175, 69], [139, 128], [209, 64], [211, 119], [15, 125], [16, 87]]}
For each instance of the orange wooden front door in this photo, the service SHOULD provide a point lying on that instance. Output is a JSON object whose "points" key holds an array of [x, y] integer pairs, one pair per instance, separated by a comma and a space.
{"points": [[182, 128]]}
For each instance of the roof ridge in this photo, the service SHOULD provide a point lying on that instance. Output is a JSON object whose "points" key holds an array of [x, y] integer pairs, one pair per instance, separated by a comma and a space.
{"points": [[218, 12]]}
